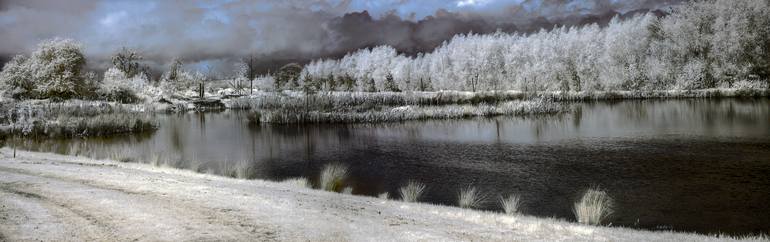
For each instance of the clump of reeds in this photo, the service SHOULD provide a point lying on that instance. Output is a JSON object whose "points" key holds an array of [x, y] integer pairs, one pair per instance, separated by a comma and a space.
{"points": [[402, 113], [471, 197], [243, 170], [511, 203], [594, 207], [38, 119], [332, 176], [412, 191]]}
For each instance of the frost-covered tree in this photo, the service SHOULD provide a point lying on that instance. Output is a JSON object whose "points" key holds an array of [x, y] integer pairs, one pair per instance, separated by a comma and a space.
{"points": [[16, 78], [390, 84], [57, 66], [699, 44], [309, 85], [369, 85], [249, 70], [288, 76], [330, 83], [127, 61], [118, 86], [54, 70], [177, 80], [347, 82], [173, 71]]}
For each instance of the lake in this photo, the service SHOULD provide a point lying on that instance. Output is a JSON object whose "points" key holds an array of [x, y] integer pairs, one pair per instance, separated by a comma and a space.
{"points": [[699, 165]]}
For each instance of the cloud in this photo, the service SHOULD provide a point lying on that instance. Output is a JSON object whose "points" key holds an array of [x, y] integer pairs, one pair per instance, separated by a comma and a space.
{"points": [[279, 31], [467, 3]]}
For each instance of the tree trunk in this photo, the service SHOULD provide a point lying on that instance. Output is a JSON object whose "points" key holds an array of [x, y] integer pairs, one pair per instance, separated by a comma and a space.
{"points": [[200, 91]]}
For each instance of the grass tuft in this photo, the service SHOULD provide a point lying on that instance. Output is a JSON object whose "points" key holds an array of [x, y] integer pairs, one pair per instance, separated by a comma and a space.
{"points": [[298, 182], [347, 190], [594, 207], [412, 191], [332, 177], [511, 204], [471, 197], [384, 195]]}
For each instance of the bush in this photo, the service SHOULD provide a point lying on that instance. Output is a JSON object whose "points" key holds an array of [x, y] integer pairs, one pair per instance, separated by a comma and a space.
{"points": [[54, 70], [16, 78], [117, 86], [183, 82]]}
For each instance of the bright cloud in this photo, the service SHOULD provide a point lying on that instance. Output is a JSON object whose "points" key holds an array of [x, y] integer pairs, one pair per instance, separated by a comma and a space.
{"points": [[471, 3]]}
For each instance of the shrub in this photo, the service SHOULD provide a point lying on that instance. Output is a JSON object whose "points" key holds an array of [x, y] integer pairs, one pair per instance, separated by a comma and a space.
{"points": [[16, 78], [333, 176], [176, 80], [471, 197], [54, 70], [594, 207], [412, 191], [511, 204], [117, 86]]}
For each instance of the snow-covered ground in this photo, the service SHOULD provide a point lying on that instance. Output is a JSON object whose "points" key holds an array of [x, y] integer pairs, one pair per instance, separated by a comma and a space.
{"points": [[54, 197]]}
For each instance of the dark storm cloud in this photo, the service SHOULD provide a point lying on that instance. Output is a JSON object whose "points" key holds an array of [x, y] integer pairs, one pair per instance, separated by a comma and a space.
{"points": [[281, 31]]}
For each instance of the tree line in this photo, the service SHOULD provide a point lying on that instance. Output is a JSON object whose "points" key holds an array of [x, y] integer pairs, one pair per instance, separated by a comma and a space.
{"points": [[699, 44]]}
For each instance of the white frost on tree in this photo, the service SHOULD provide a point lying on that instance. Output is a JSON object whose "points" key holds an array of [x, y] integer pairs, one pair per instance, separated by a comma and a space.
{"points": [[701, 44], [55, 69]]}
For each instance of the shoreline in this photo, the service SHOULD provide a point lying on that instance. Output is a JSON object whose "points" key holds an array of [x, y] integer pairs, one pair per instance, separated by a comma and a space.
{"points": [[83, 118], [48, 196]]}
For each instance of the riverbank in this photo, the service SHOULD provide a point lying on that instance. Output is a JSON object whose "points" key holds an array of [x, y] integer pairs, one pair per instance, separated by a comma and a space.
{"points": [[55, 197]]}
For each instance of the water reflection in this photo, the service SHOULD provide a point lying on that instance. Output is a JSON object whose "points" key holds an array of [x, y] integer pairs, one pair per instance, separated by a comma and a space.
{"points": [[691, 164]]}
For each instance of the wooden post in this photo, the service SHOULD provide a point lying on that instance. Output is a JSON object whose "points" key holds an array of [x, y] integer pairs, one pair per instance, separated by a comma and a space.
{"points": [[200, 91], [13, 137]]}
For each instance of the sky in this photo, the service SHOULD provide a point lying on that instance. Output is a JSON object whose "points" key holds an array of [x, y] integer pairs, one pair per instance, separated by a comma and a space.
{"points": [[219, 32]]}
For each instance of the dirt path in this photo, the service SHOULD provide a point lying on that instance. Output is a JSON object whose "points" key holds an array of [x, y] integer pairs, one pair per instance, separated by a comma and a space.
{"points": [[62, 198]]}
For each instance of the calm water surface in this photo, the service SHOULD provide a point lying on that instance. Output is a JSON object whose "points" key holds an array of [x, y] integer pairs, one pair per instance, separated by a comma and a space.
{"points": [[688, 165]]}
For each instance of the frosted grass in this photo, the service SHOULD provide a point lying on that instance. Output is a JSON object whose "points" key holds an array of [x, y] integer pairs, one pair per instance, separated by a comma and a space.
{"points": [[404, 113], [332, 176], [471, 197], [594, 207], [412, 191], [302, 182], [511, 204]]}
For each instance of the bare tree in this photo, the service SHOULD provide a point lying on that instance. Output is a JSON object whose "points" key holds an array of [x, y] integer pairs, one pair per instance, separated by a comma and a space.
{"points": [[127, 60], [250, 62]]}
